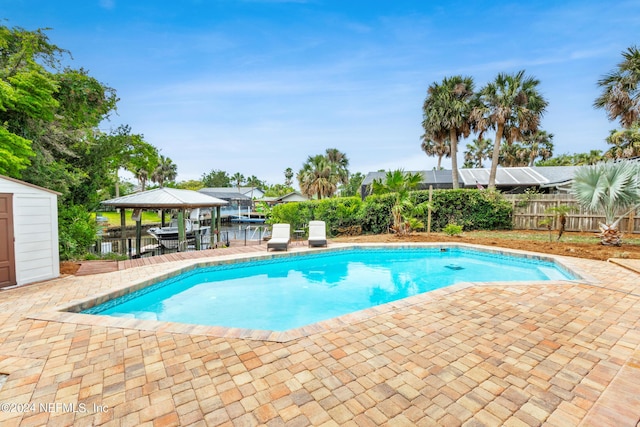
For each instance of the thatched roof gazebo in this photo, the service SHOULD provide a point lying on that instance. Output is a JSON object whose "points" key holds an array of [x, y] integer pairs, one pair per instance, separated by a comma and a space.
{"points": [[165, 198]]}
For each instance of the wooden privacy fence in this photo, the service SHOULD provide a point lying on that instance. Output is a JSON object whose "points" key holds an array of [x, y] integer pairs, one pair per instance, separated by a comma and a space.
{"points": [[530, 209]]}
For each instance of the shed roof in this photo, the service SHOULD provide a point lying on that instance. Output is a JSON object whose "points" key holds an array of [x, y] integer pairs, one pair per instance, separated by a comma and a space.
{"points": [[28, 184], [165, 198]]}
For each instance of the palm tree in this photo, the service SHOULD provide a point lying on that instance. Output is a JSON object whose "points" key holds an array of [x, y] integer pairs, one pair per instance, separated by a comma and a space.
{"points": [[539, 144], [513, 155], [318, 177], [626, 143], [254, 183], [165, 171], [288, 176], [477, 152], [142, 175], [238, 179], [437, 146], [447, 108], [400, 184], [620, 95], [512, 105], [341, 162], [612, 188]]}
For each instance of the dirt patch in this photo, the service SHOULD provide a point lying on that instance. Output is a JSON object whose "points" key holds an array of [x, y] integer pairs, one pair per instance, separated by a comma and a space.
{"points": [[537, 242], [68, 267]]}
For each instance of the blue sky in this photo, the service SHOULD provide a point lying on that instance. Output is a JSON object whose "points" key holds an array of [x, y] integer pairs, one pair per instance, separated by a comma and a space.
{"points": [[256, 86]]}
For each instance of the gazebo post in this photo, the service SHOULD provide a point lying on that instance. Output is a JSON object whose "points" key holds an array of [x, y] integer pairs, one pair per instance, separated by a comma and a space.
{"points": [[197, 233], [218, 222], [123, 231], [139, 236], [181, 233]]}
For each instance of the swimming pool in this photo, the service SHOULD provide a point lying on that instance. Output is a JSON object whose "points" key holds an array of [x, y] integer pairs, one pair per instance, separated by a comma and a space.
{"points": [[283, 293]]}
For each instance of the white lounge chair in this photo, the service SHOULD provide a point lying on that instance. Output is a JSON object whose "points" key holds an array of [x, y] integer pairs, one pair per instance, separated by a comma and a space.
{"points": [[317, 233], [280, 237]]}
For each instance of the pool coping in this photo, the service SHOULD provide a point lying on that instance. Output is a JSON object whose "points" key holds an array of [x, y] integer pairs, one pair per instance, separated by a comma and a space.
{"points": [[70, 312]]}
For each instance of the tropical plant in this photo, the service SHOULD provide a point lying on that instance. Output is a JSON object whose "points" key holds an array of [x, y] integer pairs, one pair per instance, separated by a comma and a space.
{"points": [[512, 105], [165, 171], [547, 222], [539, 144], [436, 146], [514, 154], [318, 177], [447, 109], [626, 143], [341, 163], [452, 229], [238, 179], [477, 152], [403, 211], [560, 211], [288, 177], [620, 96], [612, 188], [352, 188], [578, 159]]}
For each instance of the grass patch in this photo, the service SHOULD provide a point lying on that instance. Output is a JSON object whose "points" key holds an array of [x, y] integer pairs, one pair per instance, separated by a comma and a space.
{"points": [[148, 217]]}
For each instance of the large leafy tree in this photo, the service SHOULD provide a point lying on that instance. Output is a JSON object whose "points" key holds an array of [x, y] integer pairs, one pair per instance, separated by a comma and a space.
{"points": [[612, 188], [620, 96], [27, 94], [447, 109], [142, 160], [216, 178], [512, 105], [49, 116], [352, 188]]}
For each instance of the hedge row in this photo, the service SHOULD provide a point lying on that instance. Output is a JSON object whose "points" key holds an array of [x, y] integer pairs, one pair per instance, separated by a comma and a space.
{"points": [[472, 209]]}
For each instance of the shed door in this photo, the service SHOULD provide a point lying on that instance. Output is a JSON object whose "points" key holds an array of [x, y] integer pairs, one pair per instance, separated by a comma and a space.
{"points": [[7, 259]]}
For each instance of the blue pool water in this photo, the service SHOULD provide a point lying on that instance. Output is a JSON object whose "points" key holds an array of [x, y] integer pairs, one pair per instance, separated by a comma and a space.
{"points": [[284, 293]]}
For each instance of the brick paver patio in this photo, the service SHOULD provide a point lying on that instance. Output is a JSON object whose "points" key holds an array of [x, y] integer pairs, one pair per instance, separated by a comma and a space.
{"points": [[554, 354]]}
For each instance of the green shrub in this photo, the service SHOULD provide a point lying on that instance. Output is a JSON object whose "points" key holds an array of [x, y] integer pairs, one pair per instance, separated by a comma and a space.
{"points": [[375, 214], [452, 230], [77, 231], [337, 212], [470, 208]]}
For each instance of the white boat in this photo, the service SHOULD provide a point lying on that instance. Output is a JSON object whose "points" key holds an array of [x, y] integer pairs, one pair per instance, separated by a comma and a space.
{"points": [[168, 236]]}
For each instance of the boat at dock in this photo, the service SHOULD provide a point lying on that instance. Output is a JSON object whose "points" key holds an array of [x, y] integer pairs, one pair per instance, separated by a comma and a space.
{"points": [[168, 236]]}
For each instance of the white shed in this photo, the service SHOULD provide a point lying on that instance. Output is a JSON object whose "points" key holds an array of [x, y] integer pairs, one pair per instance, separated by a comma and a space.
{"points": [[28, 233]]}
